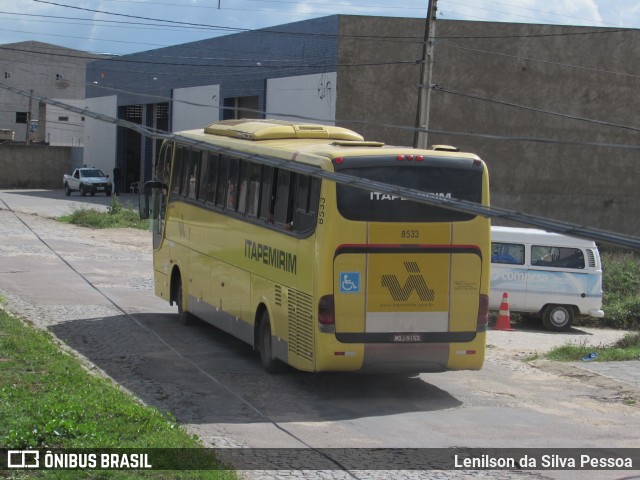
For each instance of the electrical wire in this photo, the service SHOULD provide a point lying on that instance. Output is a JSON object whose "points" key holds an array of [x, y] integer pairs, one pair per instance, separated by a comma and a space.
{"points": [[162, 98], [439, 88], [362, 183], [318, 34], [537, 60], [209, 65]]}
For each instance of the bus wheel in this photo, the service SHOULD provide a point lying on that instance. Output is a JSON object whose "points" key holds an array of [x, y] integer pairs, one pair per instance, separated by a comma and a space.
{"points": [[557, 317], [269, 362], [183, 316]]}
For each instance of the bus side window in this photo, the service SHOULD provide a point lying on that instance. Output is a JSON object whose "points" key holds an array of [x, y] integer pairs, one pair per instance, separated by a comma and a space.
{"points": [[221, 189], [202, 177], [192, 174], [267, 194], [184, 176], [283, 213], [232, 188], [243, 181], [253, 195], [210, 178], [177, 171], [306, 203]]}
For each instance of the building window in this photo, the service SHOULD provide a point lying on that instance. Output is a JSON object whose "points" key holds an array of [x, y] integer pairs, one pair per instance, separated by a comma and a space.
{"points": [[59, 76], [241, 107], [7, 74], [63, 119], [21, 117]]}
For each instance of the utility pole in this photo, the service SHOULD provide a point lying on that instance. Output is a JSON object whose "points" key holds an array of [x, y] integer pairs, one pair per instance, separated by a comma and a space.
{"points": [[424, 89], [26, 138]]}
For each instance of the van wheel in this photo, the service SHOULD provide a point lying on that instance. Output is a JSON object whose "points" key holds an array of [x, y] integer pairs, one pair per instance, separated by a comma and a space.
{"points": [[183, 316], [557, 318], [269, 363]]}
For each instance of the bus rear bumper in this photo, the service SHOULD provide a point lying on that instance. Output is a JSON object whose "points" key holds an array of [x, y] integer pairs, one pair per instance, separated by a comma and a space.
{"points": [[413, 358]]}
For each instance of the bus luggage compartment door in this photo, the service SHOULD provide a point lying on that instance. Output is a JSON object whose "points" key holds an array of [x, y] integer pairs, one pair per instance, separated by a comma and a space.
{"points": [[407, 294]]}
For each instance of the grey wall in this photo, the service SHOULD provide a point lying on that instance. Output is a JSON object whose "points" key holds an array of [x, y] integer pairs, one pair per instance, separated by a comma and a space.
{"points": [[34, 166], [592, 75], [378, 76]]}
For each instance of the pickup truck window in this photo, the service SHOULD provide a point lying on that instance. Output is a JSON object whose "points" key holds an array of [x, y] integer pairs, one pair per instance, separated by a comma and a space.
{"points": [[92, 173]]}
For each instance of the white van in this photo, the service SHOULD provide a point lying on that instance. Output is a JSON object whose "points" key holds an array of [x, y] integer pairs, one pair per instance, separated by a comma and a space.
{"points": [[552, 276]]}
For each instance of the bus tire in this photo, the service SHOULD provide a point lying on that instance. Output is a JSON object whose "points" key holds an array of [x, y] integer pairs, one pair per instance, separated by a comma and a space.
{"points": [[184, 316], [267, 359], [557, 318]]}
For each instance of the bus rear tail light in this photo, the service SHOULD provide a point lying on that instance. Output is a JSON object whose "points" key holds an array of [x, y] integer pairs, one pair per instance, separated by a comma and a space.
{"points": [[483, 313], [327, 314]]}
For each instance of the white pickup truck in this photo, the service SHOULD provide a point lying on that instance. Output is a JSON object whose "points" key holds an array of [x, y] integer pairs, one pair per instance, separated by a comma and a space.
{"points": [[87, 180]]}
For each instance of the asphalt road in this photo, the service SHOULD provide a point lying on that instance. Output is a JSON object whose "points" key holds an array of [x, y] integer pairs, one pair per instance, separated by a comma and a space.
{"points": [[93, 289]]}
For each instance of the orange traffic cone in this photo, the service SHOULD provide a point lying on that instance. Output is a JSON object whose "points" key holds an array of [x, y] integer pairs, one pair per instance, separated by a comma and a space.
{"points": [[504, 317]]}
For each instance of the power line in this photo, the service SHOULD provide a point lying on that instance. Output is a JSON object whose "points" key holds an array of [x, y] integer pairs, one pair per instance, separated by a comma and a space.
{"points": [[317, 34], [537, 60], [488, 136], [536, 110], [324, 4], [160, 98], [362, 183], [209, 65]]}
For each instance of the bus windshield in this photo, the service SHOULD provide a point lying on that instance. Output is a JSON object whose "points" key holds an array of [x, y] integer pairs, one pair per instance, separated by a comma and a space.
{"points": [[438, 181]]}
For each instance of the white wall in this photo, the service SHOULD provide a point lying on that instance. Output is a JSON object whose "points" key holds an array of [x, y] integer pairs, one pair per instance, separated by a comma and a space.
{"points": [[195, 107], [100, 137], [61, 133], [310, 96]]}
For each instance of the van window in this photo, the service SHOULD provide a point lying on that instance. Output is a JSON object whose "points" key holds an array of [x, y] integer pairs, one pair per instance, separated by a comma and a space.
{"points": [[558, 257], [511, 253]]}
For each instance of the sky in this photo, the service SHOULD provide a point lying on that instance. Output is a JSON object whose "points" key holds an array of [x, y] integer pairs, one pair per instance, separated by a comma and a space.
{"points": [[128, 26]]}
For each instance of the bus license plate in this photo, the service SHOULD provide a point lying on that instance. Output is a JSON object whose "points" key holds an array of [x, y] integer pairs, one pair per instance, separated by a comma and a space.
{"points": [[407, 338]]}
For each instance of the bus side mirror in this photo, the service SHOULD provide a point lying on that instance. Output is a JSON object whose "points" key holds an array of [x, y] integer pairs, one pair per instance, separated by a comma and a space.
{"points": [[143, 206], [144, 200]]}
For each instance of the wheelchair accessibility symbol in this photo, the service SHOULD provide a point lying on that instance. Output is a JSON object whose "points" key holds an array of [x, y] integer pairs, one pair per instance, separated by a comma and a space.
{"points": [[349, 282]]}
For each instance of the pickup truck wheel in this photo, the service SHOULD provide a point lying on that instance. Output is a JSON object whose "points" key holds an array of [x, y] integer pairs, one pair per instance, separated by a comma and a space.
{"points": [[83, 192], [67, 190]]}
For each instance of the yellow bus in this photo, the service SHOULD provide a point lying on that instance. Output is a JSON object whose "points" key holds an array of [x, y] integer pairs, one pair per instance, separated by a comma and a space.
{"points": [[251, 237]]}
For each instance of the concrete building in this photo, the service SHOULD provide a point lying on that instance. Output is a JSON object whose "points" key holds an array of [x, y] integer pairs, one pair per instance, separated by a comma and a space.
{"points": [[51, 71], [551, 109]]}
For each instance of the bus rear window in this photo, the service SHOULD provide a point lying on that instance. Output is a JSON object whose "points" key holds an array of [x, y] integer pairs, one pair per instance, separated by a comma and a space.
{"points": [[437, 180]]}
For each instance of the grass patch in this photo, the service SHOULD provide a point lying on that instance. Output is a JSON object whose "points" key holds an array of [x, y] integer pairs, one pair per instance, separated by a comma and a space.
{"points": [[48, 400], [116, 216], [627, 348]]}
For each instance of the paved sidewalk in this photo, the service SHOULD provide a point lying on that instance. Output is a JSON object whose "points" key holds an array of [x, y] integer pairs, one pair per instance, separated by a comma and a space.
{"points": [[622, 372]]}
